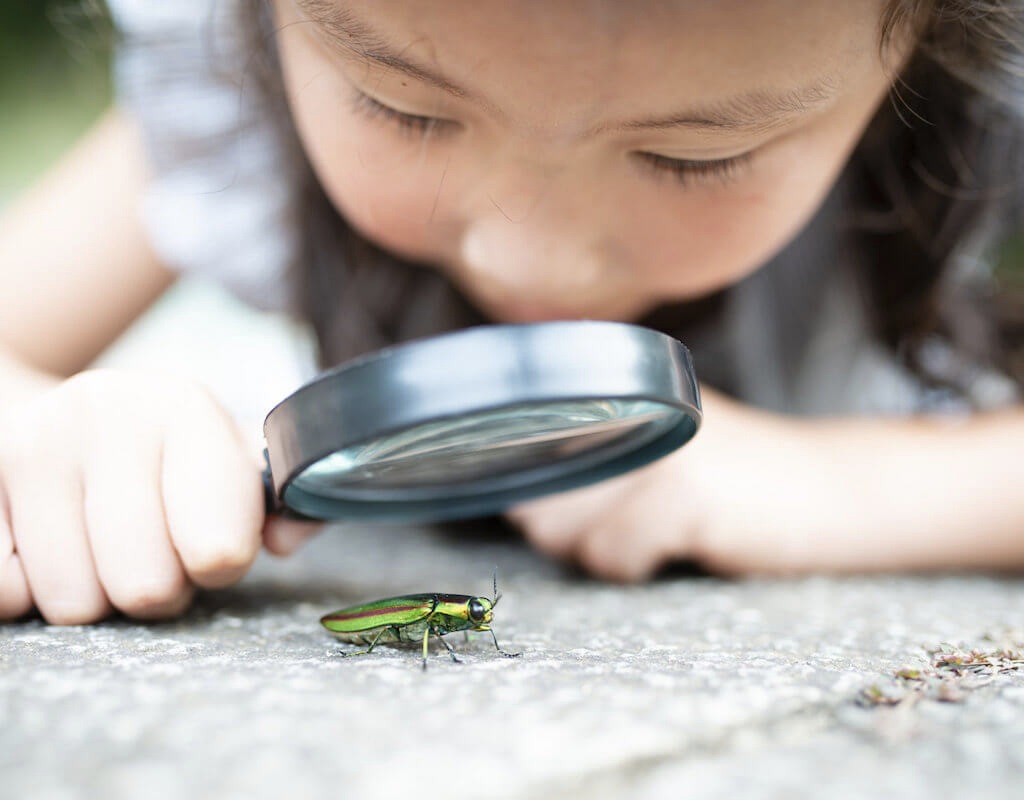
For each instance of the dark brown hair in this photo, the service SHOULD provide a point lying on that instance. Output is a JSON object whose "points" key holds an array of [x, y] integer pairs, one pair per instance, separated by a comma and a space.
{"points": [[939, 178], [938, 172]]}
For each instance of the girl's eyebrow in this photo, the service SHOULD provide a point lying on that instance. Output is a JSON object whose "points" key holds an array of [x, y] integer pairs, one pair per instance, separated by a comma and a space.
{"points": [[753, 112], [350, 34], [757, 110]]}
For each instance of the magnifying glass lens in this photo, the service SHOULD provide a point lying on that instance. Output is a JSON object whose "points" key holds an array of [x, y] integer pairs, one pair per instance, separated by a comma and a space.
{"points": [[487, 450], [473, 422]]}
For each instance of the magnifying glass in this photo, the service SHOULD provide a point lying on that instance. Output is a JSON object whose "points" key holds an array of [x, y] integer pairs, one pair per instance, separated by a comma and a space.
{"points": [[469, 423]]}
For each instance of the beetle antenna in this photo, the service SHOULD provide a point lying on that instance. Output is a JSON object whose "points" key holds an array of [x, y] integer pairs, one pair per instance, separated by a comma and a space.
{"points": [[497, 594]]}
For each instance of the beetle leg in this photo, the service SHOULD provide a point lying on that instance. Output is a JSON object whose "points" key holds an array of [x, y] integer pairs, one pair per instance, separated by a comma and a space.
{"points": [[451, 652], [426, 634], [373, 644], [498, 648]]}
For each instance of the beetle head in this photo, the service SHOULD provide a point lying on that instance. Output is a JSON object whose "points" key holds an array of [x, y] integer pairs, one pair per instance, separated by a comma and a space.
{"points": [[480, 610]]}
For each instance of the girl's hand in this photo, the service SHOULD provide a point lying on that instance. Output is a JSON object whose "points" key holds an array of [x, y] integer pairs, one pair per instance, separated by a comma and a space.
{"points": [[736, 498], [122, 492]]}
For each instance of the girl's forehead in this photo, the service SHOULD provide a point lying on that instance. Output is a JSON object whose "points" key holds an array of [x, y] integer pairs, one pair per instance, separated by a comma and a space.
{"points": [[644, 54]]}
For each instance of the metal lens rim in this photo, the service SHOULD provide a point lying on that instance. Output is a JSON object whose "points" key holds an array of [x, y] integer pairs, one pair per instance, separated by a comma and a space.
{"points": [[470, 371]]}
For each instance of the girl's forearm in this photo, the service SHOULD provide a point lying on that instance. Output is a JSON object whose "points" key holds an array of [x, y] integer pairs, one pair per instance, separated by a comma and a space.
{"points": [[76, 264], [922, 493]]}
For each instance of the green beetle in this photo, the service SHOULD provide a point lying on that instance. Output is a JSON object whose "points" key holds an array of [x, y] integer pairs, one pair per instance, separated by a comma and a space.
{"points": [[412, 617]]}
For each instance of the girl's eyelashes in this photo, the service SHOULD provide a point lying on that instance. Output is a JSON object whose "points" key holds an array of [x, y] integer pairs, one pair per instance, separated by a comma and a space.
{"points": [[406, 123], [689, 172], [686, 171]]}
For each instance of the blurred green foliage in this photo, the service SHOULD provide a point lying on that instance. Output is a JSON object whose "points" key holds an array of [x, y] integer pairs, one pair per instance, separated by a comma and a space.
{"points": [[1010, 267], [54, 82], [23, 22]]}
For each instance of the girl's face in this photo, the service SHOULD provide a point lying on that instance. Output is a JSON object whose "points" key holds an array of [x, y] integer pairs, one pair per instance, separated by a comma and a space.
{"points": [[581, 158]]}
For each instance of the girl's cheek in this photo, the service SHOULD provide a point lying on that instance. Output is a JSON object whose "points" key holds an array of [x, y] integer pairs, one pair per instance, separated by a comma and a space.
{"points": [[378, 179], [388, 189], [399, 215], [793, 181], [702, 240]]}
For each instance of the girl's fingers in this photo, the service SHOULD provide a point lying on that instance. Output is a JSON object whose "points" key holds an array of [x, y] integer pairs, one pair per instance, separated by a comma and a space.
{"points": [[555, 524], [622, 529], [122, 493], [15, 595], [213, 503], [620, 550], [548, 533], [640, 535], [135, 559], [49, 535], [283, 537], [42, 485]]}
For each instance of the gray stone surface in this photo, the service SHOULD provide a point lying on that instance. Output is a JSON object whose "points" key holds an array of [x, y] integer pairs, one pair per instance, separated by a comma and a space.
{"points": [[685, 687]]}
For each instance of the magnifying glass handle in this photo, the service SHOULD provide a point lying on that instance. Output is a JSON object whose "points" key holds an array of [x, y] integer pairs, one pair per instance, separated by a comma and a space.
{"points": [[271, 502]]}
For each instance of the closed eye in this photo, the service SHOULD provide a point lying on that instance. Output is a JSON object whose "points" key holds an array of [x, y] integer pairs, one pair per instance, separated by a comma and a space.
{"points": [[372, 108], [686, 171], [689, 172]]}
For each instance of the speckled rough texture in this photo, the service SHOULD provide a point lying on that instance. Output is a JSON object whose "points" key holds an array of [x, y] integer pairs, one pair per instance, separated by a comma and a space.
{"points": [[688, 686]]}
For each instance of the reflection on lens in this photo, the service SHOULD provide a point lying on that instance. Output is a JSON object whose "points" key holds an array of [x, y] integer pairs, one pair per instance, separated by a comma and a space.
{"points": [[510, 444]]}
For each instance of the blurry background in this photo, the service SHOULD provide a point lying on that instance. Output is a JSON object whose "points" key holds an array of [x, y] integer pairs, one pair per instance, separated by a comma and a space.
{"points": [[54, 82], [55, 61]]}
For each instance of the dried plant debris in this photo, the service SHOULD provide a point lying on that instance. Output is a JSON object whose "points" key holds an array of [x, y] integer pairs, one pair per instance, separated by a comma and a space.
{"points": [[952, 672]]}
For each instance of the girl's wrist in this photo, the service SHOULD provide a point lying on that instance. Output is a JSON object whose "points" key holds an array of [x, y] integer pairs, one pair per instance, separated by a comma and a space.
{"points": [[765, 490]]}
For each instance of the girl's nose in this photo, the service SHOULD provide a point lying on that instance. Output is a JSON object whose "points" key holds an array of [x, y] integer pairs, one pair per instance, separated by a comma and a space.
{"points": [[535, 263], [534, 239]]}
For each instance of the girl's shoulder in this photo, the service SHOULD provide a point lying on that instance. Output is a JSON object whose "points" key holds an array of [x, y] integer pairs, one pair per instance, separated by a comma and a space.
{"points": [[220, 191]]}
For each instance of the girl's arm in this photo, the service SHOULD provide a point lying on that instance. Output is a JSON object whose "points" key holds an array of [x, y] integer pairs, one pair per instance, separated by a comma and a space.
{"points": [[883, 494], [75, 265], [759, 492]]}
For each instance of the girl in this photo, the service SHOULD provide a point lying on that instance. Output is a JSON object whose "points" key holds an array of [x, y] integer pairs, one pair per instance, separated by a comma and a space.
{"points": [[806, 193]]}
